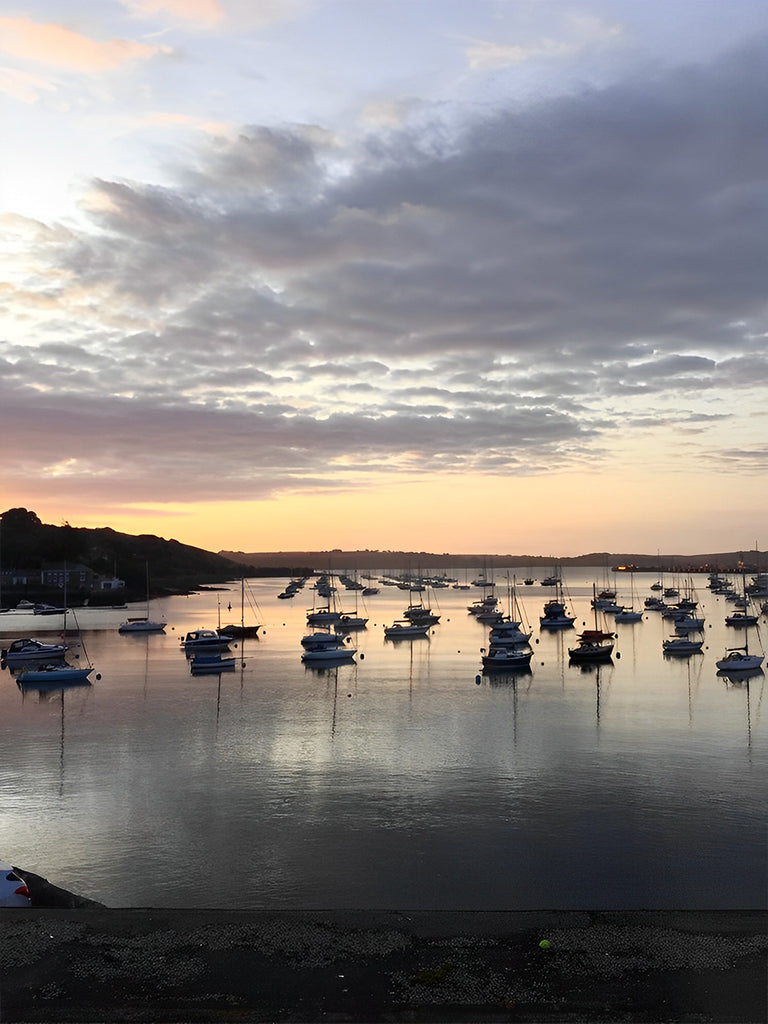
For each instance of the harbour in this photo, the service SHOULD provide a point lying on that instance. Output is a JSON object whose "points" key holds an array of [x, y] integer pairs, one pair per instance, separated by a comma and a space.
{"points": [[406, 777]]}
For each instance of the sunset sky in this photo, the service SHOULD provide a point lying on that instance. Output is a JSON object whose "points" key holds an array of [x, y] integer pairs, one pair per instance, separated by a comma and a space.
{"points": [[444, 275]]}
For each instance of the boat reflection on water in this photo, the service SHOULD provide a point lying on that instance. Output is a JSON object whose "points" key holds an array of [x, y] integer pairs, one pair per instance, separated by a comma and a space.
{"points": [[741, 681], [741, 677], [47, 688]]}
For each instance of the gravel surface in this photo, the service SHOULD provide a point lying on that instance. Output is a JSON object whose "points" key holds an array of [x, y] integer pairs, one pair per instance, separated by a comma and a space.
{"points": [[91, 963]]}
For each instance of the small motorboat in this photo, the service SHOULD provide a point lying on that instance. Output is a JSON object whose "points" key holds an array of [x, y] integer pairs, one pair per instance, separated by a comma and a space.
{"points": [[682, 645], [738, 659], [326, 647], [405, 628], [48, 609], [26, 649], [502, 659], [210, 662], [141, 625], [741, 619], [207, 639]]}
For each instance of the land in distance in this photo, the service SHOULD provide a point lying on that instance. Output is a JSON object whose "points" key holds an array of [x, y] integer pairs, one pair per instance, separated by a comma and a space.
{"points": [[421, 561]]}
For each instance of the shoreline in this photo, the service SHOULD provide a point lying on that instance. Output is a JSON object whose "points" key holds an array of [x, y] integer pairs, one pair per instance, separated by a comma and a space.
{"points": [[75, 960]]}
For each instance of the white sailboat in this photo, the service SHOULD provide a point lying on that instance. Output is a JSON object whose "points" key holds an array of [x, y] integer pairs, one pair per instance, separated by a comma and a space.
{"points": [[738, 659], [58, 670], [143, 623], [630, 614]]}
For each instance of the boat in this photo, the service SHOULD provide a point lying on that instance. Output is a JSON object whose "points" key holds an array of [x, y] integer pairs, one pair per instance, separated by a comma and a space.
{"points": [[210, 662], [322, 616], [242, 631], [27, 649], [506, 631], [484, 608], [555, 614], [689, 624], [345, 623], [681, 645], [594, 645], [738, 659], [741, 619], [56, 669], [327, 647], [420, 613], [311, 639], [53, 672], [48, 609], [351, 620], [529, 581], [405, 628], [507, 634], [204, 638], [505, 658], [143, 623], [625, 614]]}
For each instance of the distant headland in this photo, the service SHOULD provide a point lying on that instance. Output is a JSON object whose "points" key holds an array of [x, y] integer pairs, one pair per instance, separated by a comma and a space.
{"points": [[361, 560]]}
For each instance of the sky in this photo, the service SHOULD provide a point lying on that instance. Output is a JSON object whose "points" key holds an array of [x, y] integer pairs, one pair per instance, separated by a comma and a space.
{"points": [[432, 275]]}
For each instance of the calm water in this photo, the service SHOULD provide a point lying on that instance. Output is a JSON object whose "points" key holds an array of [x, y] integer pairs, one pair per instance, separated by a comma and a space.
{"points": [[404, 780]]}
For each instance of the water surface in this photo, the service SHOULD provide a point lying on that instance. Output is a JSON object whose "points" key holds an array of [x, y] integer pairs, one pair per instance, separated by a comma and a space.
{"points": [[405, 779]]}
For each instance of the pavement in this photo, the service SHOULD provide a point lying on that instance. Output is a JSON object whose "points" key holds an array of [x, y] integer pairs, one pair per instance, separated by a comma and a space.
{"points": [[69, 959]]}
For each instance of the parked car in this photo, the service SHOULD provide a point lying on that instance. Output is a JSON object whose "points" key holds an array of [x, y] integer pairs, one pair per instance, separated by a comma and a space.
{"points": [[13, 888]]}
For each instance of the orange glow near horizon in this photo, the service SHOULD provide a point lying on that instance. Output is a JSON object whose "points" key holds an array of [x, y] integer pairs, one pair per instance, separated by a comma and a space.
{"points": [[558, 515]]}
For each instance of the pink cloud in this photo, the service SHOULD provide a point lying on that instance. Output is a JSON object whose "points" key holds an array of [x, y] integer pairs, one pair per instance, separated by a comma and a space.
{"points": [[60, 47], [207, 12]]}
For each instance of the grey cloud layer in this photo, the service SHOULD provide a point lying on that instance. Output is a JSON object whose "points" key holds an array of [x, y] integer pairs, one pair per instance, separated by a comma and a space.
{"points": [[487, 300]]}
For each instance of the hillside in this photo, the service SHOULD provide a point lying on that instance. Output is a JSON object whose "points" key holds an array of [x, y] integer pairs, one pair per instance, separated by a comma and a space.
{"points": [[416, 561], [27, 543]]}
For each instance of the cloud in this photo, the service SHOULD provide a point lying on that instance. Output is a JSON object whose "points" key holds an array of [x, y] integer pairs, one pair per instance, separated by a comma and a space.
{"points": [[60, 47], [22, 86], [205, 12], [504, 299], [580, 32]]}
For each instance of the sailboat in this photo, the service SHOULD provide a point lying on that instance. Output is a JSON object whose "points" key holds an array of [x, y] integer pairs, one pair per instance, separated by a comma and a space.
{"points": [[555, 616], [421, 613], [594, 644], [629, 614], [743, 617], [242, 630], [351, 620], [507, 632], [327, 614], [57, 670], [324, 645], [143, 624], [738, 659]]}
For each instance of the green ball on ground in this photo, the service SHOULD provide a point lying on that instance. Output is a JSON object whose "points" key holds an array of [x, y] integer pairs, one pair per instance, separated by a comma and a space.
{"points": [[544, 944]]}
